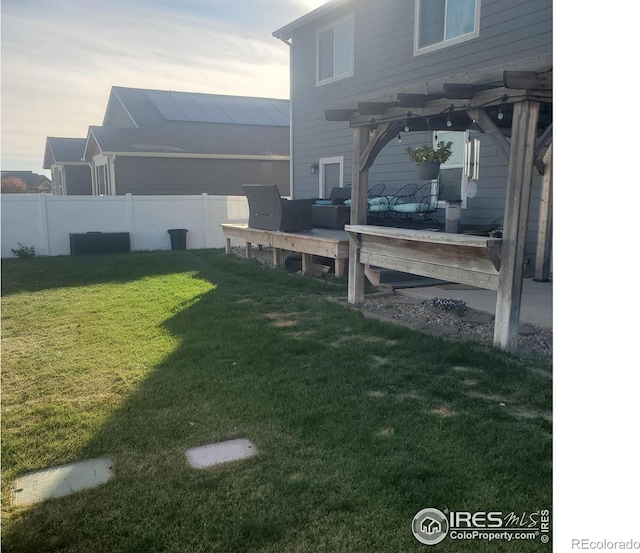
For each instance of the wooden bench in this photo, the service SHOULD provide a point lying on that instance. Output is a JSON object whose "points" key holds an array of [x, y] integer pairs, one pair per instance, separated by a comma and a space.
{"points": [[320, 242], [472, 260]]}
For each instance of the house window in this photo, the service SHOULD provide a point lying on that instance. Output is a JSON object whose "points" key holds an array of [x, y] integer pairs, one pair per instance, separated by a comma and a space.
{"points": [[102, 180], [335, 51], [57, 179], [331, 174], [442, 23]]}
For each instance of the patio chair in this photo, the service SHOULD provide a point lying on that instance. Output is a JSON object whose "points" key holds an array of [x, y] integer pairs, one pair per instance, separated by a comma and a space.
{"points": [[417, 210], [269, 211], [375, 191], [381, 208]]}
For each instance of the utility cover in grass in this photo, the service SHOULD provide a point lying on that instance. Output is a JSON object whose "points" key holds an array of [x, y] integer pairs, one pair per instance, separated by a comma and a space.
{"points": [[221, 452], [59, 481]]}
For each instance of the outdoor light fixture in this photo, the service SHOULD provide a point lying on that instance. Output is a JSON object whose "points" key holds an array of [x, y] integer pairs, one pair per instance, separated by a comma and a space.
{"points": [[399, 139], [372, 128], [314, 168], [500, 114]]}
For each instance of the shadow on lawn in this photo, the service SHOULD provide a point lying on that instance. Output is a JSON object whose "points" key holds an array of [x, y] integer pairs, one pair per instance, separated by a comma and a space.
{"points": [[358, 426]]}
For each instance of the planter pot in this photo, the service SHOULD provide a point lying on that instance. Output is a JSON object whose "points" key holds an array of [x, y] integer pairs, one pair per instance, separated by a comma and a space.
{"points": [[428, 170]]}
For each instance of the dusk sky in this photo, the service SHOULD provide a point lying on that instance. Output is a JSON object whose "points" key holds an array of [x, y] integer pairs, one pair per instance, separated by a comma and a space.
{"points": [[60, 59]]}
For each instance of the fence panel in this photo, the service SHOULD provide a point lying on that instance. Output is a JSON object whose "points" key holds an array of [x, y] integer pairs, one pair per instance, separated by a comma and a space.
{"points": [[45, 221]]}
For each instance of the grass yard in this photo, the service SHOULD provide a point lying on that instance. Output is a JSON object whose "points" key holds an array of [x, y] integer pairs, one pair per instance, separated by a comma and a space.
{"points": [[359, 424]]}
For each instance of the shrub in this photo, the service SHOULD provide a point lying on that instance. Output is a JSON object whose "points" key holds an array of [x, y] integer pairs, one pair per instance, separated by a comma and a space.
{"points": [[24, 251]]}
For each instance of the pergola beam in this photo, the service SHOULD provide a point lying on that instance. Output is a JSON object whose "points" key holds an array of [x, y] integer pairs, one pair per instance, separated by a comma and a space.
{"points": [[516, 218], [483, 76], [543, 248], [530, 80], [542, 146], [457, 91], [440, 106], [359, 186]]}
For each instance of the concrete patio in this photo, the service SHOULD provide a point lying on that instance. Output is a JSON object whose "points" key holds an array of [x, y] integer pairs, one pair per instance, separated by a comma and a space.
{"points": [[536, 308]]}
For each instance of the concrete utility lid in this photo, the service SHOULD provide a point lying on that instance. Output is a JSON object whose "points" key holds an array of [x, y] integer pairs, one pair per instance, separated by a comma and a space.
{"points": [[59, 481], [221, 452]]}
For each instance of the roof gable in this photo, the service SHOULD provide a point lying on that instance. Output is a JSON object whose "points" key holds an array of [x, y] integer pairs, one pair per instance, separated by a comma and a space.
{"points": [[63, 150], [285, 33]]}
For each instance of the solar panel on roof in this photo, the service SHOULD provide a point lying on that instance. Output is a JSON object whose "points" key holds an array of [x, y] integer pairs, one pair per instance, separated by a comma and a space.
{"points": [[196, 114], [216, 115], [183, 106], [172, 113]]}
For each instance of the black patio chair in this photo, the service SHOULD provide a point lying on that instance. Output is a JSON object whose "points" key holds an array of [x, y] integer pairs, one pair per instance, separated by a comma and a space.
{"points": [[418, 209], [269, 211]]}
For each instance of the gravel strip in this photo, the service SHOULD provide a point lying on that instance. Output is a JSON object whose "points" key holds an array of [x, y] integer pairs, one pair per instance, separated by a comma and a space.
{"points": [[474, 325]]}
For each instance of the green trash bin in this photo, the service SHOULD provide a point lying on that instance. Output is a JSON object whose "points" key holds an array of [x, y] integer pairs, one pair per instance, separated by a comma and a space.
{"points": [[178, 238]]}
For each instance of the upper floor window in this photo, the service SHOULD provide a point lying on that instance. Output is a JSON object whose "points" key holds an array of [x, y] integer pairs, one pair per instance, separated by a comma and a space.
{"points": [[335, 51], [441, 23]]}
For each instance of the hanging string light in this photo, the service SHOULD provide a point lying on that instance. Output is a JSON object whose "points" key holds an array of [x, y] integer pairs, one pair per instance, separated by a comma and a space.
{"points": [[449, 122]]}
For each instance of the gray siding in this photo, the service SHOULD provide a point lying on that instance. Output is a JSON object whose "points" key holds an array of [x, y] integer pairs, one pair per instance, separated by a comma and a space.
{"points": [[155, 175], [78, 180], [509, 30]]}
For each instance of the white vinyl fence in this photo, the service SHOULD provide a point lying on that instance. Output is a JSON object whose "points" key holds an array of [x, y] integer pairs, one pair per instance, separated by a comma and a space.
{"points": [[45, 221]]}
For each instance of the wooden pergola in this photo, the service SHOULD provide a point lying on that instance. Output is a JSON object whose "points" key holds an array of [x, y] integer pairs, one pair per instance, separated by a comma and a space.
{"points": [[512, 104]]}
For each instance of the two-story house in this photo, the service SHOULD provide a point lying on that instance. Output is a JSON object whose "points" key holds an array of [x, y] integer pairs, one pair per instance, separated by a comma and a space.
{"points": [[371, 77], [350, 50]]}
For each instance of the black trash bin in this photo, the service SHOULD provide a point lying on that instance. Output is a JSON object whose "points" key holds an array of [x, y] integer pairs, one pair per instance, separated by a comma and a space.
{"points": [[178, 238]]}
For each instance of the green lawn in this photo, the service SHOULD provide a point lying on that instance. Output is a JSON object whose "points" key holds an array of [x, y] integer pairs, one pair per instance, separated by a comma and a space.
{"points": [[359, 424]]}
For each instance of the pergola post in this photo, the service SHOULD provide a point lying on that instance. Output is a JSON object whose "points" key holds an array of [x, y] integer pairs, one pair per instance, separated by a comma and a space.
{"points": [[543, 250], [359, 186], [516, 219]]}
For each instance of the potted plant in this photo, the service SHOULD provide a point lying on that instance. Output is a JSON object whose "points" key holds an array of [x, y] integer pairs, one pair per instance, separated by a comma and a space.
{"points": [[427, 159]]}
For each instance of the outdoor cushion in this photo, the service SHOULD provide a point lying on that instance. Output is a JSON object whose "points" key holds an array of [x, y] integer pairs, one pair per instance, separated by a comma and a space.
{"points": [[379, 207], [378, 200], [323, 202], [411, 207]]}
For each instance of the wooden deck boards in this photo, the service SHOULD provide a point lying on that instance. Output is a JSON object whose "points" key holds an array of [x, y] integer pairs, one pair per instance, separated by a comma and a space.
{"points": [[318, 241]]}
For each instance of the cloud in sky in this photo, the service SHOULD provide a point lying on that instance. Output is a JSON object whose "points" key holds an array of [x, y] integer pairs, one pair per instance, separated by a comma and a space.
{"points": [[60, 59]]}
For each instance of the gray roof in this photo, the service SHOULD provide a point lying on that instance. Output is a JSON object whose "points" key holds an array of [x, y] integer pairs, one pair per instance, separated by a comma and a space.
{"points": [[285, 33], [196, 138], [64, 150], [152, 108], [175, 123]]}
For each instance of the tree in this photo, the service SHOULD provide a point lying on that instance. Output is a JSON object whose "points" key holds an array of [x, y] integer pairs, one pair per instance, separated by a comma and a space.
{"points": [[13, 185]]}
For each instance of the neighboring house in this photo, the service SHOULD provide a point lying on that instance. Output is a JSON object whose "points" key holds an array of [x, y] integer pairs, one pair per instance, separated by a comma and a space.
{"points": [[35, 183], [69, 173], [348, 51], [166, 142]]}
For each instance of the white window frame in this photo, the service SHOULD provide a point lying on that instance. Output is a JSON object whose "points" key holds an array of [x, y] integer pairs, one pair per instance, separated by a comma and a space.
{"points": [[58, 180], [322, 162], [107, 163], [335, 77], [417, 51]]}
